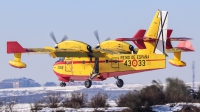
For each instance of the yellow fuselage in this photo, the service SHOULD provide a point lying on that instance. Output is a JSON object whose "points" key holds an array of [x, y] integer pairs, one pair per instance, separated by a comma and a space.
{"points": [[112, 65]]}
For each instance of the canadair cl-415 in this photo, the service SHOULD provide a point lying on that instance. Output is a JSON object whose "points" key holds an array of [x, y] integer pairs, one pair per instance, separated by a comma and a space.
{"points": [[78, 61]]}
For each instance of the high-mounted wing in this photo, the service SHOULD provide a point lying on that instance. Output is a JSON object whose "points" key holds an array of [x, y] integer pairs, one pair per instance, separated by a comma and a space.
{"points": [[76, 53], [15, 47]]}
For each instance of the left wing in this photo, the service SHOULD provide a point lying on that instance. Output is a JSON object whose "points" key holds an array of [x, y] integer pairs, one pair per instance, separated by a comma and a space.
{"points": [[15, 47]]}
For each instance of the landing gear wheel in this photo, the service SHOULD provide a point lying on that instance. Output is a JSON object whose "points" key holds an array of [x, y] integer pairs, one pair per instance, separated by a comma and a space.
{"points": [[119, 83], [62, 84], [88, 83]]}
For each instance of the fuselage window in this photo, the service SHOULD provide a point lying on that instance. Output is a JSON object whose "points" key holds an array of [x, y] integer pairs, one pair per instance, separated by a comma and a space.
{"points": [[106, 61], [83, 62]]}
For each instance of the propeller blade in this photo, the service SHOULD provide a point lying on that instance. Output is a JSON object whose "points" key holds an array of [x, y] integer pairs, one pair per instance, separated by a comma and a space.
{"points": [[97, 36], [53, 37], [64, 38], [108, 39]]}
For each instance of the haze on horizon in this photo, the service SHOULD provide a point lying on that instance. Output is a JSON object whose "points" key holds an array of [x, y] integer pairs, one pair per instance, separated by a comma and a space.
{"points": [[30, 23]]}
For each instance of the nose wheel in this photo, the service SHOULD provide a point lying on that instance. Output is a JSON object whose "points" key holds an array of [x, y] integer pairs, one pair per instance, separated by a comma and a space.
{"points": [[119, 82], [62, 84]]}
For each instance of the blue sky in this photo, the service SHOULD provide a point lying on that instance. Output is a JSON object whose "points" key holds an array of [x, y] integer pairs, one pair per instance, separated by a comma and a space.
{"points": [[30, 22]]}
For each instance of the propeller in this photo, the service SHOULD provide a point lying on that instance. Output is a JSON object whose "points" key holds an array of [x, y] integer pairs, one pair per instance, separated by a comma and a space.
{"points": [[54, 39], [97, 37], [108, 39]]}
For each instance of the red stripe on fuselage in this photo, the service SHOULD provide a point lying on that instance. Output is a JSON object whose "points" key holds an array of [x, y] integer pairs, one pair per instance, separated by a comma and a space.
{"points": [[155, 59], [81, 62]]}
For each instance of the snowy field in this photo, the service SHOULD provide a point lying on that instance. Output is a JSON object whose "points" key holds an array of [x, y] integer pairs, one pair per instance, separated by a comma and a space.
{"points": [[26, 96]]}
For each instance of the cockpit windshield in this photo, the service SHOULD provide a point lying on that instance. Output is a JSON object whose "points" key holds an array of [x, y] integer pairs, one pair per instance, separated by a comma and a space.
{"points": [[61, 59]]}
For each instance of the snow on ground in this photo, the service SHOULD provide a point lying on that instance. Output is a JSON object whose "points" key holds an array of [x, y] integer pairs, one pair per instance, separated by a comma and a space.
{"points": [[156, 108], [177, 107], [41, 90], [24, 107]]}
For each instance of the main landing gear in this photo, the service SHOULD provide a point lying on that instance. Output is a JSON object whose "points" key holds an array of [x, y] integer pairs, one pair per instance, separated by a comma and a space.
{"points": [[88, 82], [62, 84], [93, 74], [119, 82]]}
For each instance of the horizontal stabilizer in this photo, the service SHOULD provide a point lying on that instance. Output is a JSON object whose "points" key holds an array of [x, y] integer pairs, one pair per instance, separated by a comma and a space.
{"points": [[179, 39], [139, 42], [139, 39], [140, 34], [185, 45], [148, 39], [14, 47], [168, 42]]}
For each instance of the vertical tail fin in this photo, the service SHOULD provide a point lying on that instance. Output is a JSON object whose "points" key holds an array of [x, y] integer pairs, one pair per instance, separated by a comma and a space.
{"points": [[157, 30]]}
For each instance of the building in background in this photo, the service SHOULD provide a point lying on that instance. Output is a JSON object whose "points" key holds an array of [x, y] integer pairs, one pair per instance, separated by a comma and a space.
{"points": [[18, 82], [50, 84]]}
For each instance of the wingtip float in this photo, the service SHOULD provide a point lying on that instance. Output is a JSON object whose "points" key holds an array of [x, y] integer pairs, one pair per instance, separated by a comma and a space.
{"points": [[78, 61]]}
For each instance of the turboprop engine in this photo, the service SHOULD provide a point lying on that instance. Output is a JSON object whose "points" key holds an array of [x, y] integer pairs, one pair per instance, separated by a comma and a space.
{"points": [[71, 44], [117, 45], [74, 45]]}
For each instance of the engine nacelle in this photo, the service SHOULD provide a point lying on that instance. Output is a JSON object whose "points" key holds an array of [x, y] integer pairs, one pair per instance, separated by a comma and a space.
{"points": [[17, 61], [75, 45], [176, 61], [117, 45]]}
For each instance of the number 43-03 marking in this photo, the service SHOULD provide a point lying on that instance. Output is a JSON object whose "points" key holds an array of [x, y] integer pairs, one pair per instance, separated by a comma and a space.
{"points": [[135, 63]]}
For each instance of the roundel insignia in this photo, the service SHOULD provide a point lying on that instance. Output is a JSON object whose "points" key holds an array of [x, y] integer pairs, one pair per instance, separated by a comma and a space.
{"points": [[134, 63]]}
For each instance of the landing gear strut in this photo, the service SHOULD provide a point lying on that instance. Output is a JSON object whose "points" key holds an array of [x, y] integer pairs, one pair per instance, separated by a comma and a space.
{"points": [[119, 82], [93, 74], [62, 84]]}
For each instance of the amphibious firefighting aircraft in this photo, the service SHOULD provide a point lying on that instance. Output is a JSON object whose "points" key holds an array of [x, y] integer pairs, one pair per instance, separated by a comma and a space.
{"points": [[78, 61]]}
